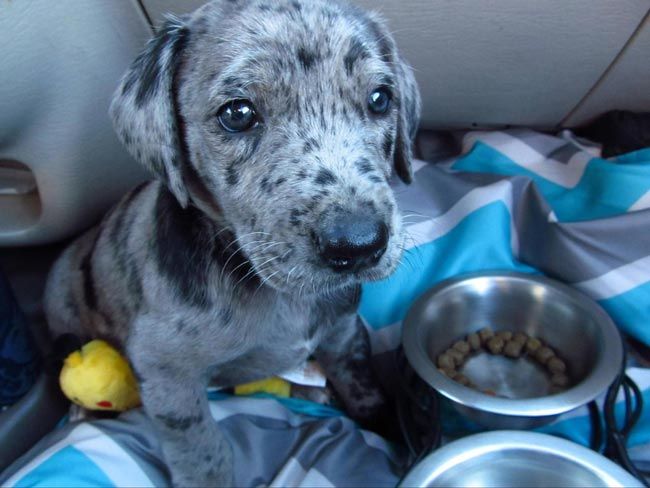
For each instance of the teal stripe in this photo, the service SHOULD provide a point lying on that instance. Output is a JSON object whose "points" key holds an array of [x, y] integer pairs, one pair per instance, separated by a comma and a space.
{"points": [[605, 190], [481, 241], [65, 468], [642, 156], [631, 311]]}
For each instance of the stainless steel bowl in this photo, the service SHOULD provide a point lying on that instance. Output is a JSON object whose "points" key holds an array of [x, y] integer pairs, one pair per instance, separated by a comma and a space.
{"points": [[515, 458], [576, 327]]}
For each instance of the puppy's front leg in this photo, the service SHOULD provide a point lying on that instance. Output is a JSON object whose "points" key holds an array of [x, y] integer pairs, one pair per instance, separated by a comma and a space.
{"points": [[174, 398], [344, 354]]}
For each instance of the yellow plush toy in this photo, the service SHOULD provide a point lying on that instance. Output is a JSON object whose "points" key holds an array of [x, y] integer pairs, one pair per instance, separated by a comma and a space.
{"points": [[274, 386], [99, 378]]}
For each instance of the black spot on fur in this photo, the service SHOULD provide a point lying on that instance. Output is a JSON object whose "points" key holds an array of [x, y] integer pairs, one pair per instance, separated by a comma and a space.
{"points": [[181, 423], [301, 174], [296, 5], [382, 40], [310, 145], [232, 176], [264, 185], [307, 58], [226, 315], [364, 166], [179, 232], [294, 217], [388, 144], [359, 110], [90, 294], [146, 71], [323, 120], [375, 179], [389, 205], [233, 82], [280, 180], [186, 250], [357, 51], [232, 169], [118, 235], [325, 177], [401, 160]]}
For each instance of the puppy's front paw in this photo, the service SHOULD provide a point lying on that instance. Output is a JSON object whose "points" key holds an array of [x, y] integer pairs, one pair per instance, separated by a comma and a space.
{"points": [[383, 421]]}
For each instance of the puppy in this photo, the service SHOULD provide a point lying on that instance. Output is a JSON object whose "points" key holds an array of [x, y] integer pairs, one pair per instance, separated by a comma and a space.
{"points": [[272, 128]]}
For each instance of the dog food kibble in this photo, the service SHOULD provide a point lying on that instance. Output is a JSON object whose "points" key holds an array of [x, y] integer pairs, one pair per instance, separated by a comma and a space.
{"points": [[543, 354], [462, 347], [474, 341], [485, 334], [506, 343], [445, 361], [513, 349], [458, 357], [556, 365], [533, 345], [560, 379], [520, 337], [495, 345], [506, 335]]}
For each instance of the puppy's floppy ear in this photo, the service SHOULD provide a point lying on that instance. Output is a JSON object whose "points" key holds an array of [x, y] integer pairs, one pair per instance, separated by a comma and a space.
{"points": [[144, 108], [408, 96], [408, 121]]}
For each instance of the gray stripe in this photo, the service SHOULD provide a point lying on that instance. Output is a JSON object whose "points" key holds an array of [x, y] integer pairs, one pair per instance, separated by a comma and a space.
{"points": [[543, 144], [564, 154]]}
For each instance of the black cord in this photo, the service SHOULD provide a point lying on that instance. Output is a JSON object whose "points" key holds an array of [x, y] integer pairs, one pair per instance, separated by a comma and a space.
{"points": [[616, 438], [627, 393], [596, 440], [638, 405]]}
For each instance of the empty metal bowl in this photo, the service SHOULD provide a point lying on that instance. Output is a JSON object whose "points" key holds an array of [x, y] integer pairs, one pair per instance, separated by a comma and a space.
{"points": [[580, 332], [516, 458]]}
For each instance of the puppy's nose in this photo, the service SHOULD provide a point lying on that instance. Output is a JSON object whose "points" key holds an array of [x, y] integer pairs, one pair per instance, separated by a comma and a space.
{"points": [[352, 242]]}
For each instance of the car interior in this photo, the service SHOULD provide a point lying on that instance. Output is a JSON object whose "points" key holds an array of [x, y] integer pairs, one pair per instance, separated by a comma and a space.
{"points": [[575, 71]]}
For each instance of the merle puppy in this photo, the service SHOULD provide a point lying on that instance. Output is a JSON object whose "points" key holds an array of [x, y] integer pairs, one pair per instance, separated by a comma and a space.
{"points": [[272, 127]]}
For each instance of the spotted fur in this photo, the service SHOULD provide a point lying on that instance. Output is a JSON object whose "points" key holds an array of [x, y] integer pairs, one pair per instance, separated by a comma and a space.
{"points": [[211, 270]]}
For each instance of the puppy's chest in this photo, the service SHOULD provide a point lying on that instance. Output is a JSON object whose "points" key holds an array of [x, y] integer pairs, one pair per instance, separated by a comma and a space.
{"points": [[288, 328], [274, 342]]}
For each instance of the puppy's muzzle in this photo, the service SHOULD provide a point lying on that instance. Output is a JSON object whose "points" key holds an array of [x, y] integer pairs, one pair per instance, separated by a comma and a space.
{"points": [[351, 241]]}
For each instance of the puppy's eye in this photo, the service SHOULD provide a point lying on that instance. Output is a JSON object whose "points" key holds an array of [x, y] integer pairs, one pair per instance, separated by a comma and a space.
{"points": [[379, 101], [237, 115]]}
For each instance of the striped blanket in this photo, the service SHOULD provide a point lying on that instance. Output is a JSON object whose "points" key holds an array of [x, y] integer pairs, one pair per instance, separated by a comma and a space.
{"points": [[514, 200]]}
